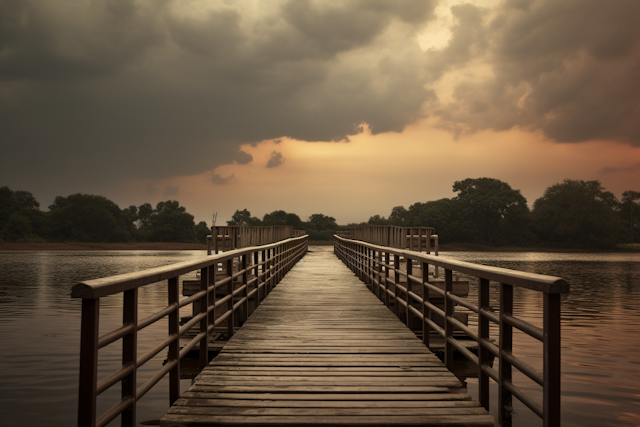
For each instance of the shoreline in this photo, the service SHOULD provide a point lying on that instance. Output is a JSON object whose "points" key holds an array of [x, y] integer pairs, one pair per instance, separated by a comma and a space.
{"points": [[136, 246], [164, 246]]}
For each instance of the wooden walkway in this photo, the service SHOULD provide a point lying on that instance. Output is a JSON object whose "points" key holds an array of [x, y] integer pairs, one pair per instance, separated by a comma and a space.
{"points": [[321, 349]]}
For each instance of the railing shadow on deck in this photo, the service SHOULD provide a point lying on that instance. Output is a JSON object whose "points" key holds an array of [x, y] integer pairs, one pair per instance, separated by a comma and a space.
{"points": [[267, 265], [380, 268]]}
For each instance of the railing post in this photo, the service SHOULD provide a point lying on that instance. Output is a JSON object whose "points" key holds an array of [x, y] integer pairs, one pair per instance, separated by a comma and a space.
{"points": [[409, 284], [426, 313], [264, 275], [551, 367], [378, 272], [204, 323], [231, 319], [213, 270], [386, 278], [174, 347], [448, 314], [506, 345], [396, 282], [256, 274], [483, 335], [130, 355], [245, 283], [88, 362]]}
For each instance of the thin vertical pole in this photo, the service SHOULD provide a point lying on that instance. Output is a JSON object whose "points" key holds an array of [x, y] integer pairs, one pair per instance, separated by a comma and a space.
{"points": [[130, 355], [231, 319], [213, 269], [448, 313], [263, 269], [409, 285], [88, 362], [426, 313], [245, 283], [386, 278], [551, 373], [506, 343], [256, 273], [396, 282], [484, 358], [204, 323], [378, 272], [174, 346]]}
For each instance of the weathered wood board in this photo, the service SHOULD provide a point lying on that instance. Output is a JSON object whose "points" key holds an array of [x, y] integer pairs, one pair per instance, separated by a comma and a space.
{"points": [[322, 350]]}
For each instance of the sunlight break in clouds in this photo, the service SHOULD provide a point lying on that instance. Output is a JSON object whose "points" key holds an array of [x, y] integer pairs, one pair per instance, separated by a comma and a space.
{"points": [[98, 96]]}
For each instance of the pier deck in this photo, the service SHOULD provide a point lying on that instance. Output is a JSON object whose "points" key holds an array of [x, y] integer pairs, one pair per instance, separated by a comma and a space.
{"points": [[321, 349]]}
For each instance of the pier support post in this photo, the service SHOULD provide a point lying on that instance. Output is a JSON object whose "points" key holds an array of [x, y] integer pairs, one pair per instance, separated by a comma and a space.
{"points": [[88, 362], [505, 399], [551, 368]]}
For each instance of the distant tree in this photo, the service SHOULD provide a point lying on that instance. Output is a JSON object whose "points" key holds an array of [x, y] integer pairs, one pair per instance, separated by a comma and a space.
{"points": [[88, 218], [243, 217], [443, 215], [201, 231], [295, 221], [491, 211], [322, 222], [17, 228], [20, 216], [577, 213], [275, 218], [377, 220], [399, 216], [170, 222], [145, 211], [631, 212], [282, 218]]}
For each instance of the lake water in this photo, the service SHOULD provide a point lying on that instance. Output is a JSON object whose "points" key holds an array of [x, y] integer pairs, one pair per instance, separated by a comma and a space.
{"points": [[40, 325]]}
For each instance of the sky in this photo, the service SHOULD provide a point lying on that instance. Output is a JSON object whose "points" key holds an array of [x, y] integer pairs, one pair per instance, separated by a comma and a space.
{"points": [[346, 108]]}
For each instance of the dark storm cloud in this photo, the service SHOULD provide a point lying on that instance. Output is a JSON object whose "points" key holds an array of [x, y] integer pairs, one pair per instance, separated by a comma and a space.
{"points": [[96, 91], [242, 158], [276, 160], [219, 180], [612, 169], [170, 191], [568, 68]]}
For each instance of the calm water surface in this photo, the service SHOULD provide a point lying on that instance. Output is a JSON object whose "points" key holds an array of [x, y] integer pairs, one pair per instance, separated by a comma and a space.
{"points": [[40, 326], [600, 333]]}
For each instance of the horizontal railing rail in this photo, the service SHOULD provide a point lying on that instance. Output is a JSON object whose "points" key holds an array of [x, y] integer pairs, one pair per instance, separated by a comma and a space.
{"points": [[267, 264], [229, 237], [412, 238], [380, 268]]}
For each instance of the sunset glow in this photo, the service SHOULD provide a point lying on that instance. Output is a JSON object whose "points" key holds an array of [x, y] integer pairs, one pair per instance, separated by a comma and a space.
{"points": [[346, 109]]}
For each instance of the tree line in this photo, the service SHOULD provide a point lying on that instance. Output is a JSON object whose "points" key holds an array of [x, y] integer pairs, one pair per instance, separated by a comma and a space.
{"points": [[90, 218], [573, 213], [318, 226]]}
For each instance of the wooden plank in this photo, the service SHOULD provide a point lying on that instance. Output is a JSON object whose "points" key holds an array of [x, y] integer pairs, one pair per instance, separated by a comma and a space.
{"points": [[199, 401], [177, 420], [322, 350]]}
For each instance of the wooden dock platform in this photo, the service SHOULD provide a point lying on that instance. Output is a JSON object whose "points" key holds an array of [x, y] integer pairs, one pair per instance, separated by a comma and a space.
{"points": [[321, 349]]}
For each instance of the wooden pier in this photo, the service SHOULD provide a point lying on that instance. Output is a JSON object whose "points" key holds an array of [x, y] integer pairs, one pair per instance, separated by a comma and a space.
{"points": [[322, 349], [326, 343]]}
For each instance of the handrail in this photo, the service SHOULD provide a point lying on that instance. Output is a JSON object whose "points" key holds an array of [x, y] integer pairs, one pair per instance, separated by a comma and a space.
{"points": [[380, 266], [268, 265], [229, 237]]}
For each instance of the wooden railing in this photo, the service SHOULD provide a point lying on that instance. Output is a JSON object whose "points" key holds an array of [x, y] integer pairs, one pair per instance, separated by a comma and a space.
{"points": [[266, 265], [412, 238], [380, 268], [226, 238]]}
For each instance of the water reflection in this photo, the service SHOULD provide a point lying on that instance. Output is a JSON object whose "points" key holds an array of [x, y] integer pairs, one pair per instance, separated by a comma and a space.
{"points": [[600, 318], [39, 328]]}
